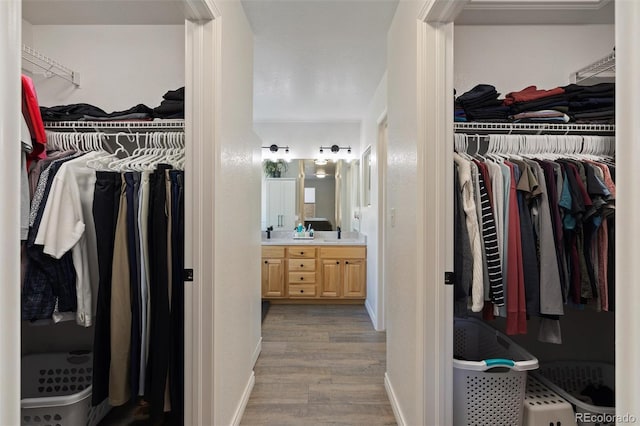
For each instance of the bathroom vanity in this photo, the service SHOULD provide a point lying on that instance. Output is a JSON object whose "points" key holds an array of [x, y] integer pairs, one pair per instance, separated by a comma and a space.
{"points": [[322, 270]]}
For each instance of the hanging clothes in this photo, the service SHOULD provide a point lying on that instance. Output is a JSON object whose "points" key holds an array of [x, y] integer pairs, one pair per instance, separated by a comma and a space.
{"points": [[552, 221], [129, 286]]}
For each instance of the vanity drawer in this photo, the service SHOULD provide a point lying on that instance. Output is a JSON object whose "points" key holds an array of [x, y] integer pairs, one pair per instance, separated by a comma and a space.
{"points": [[302, 277], [272, 251], [302, 290], [343, 252], [302, 265], [302, 252]]}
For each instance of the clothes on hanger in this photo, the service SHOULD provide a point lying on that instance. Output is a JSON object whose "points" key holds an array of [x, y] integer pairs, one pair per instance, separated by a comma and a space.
{"points": [[130, 285], [553, 216]]}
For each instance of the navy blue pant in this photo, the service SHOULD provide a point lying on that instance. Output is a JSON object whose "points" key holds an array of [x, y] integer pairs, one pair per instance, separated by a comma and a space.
{"points": [[106, 203]]}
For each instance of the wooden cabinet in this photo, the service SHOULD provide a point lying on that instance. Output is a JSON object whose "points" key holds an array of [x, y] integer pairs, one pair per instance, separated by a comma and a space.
{"points": [[281, 203], [301, 267], [314, 274], [343, 272], [353, 282], [273, 262], [331, 277]]}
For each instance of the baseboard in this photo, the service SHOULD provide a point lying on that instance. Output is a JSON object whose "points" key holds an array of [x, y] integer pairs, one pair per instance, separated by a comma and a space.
{"points": [[372, 314], [397, 412], [256, 353], [237, 417]]}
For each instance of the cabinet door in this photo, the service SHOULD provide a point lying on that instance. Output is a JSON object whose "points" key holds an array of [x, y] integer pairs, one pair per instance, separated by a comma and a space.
{"points": [[281, 204], [288, 206], [354, 278], [331, 274], [274, 205], [272, 278]]}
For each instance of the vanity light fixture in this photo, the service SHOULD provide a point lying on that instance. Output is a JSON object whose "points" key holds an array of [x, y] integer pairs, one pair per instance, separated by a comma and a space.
{"points": [[321, 162], [274, 148], [335, 148]]}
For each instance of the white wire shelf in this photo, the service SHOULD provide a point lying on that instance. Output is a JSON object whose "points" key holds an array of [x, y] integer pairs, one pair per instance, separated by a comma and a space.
{"points": [[50, 66], [534, 128], [125, 126], [605, 67]]}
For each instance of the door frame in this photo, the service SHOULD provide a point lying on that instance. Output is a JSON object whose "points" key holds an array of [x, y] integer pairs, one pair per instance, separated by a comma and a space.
{"points": [[203, 69], [381, 162], [435, 175], [435, 139], [202, 112], [10, 117]]}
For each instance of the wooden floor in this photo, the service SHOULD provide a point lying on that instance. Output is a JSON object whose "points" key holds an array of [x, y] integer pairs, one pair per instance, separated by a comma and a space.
{"points": [[320, 365]]}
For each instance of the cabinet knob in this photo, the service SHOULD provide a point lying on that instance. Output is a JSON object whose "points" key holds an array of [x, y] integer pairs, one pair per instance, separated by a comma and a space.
{"points": [[301, 278], [337, 263], [301, 253], [302, 265], [265, 262], [347, 262], [301, 291]]}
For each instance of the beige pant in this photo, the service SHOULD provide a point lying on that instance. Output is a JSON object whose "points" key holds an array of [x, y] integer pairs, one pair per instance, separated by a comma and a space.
{"points": [[119, 390]]}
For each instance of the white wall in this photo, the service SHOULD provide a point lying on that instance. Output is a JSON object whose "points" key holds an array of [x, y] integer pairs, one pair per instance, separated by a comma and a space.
{"points": [[404, 375], [120, 66], [237, 221], [369, 218], [514, 57], [305, 138], [27, 33]]}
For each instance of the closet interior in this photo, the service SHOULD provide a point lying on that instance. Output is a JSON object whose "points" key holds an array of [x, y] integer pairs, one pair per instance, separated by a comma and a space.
{"points": [[103, 295], [541, 269]]}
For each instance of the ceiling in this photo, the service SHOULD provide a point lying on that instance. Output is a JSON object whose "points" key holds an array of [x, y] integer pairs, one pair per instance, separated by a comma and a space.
{"points": [[317, 60], [547, 12], [103, 12]]}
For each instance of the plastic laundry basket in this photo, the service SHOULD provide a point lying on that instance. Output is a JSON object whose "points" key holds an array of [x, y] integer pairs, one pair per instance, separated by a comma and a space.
{"points": [[569, 378], [544, 407], [56, 390], [489, 376]]}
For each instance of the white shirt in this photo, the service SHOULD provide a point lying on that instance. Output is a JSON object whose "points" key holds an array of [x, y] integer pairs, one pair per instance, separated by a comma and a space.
{"points": [[469, 207], [67, 224]]}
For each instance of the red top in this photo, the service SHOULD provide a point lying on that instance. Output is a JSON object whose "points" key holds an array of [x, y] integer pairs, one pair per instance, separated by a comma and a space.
{"points": [[31, 113], [516, 306], [531, 93]]}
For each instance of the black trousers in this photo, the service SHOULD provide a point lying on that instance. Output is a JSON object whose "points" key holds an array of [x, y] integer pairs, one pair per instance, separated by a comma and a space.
{"points": [[106, 201], [134, 261], [159, 333], [176, 357]]}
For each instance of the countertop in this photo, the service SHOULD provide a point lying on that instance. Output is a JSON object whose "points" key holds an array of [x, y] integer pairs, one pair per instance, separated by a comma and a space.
{"points": [[322, 238]]}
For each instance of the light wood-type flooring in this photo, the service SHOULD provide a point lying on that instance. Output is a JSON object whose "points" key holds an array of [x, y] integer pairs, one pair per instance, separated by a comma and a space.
{"points": [[320, 365]]}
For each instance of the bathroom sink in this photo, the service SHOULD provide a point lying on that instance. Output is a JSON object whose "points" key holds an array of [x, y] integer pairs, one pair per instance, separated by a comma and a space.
{"points": [[342, 240]]}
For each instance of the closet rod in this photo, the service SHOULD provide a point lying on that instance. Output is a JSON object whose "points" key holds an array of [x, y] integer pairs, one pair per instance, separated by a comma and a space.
{"points": [[49, 65], [131, 126], [534, 128]]}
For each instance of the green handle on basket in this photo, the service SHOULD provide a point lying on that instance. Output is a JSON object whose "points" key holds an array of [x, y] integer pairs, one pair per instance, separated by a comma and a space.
{"points": [[499, 362]]}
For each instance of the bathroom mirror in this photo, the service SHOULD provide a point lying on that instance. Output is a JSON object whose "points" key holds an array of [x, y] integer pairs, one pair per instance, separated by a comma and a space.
{"points": [[325, 194]]}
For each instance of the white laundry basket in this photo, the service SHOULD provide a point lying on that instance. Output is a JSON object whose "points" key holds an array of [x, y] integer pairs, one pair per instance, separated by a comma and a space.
{"points": [[489, 376], [569, 378], [542, 406], [56, 390]]}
